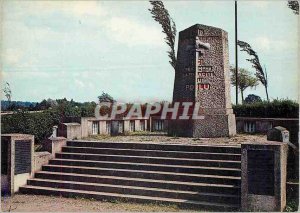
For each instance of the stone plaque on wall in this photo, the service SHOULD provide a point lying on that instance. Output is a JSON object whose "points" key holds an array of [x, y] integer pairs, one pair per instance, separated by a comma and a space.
{"points": [[22, 156], [261, 172]]}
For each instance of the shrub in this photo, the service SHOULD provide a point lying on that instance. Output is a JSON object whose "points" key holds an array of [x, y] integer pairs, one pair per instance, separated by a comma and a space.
{"points": [[275, 109], [38, 124]]}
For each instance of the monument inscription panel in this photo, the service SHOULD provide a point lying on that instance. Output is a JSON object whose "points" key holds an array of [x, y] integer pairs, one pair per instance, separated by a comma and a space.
{"points": [[261, 172], [22, 156]]}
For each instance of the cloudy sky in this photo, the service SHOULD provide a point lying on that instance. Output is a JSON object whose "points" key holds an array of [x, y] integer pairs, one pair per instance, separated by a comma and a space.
{"points": [[78, 49]]}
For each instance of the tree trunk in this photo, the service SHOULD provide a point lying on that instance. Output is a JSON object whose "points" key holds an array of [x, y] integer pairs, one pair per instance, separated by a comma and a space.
{"points": [[267, 93], [242, 93]]}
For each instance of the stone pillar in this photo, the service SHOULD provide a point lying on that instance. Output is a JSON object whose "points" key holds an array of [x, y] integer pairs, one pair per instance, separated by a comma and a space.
{"points": [[150, 124], [126, 126], [137, 125], [202, 76], [17, 161], [264, 176]]}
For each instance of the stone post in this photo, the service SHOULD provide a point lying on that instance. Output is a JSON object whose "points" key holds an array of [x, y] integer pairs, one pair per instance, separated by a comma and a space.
{"points": [[278, 133], [263, 176]]}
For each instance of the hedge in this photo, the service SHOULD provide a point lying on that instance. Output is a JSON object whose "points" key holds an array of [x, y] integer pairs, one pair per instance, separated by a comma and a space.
{"points": [[274, 109], [39, 124]]}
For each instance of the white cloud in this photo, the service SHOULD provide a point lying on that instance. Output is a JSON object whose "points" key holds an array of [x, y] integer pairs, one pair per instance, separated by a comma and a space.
{"points": [[86, 8], [11, 56], [93, 14], [265, 43], [259, 4], [28, 75], [132, 33], [75, 8], [79, 83]]}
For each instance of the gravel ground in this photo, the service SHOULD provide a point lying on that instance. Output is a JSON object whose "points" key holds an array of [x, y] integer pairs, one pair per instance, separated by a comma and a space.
{"points": [[149, 137], [40, 203]]}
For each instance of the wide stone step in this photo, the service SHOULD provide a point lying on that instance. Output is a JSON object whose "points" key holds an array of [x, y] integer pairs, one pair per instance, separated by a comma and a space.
{"points": [[154, 153], [145, 174], [142, 182], [149, 167], [126, 197], [150, 160], [134, 190], [158, 146]]}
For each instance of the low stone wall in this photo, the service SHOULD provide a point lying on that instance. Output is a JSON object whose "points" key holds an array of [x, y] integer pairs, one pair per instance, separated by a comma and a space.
{"points": [[262, 125], [40, 159], [70, 130]]}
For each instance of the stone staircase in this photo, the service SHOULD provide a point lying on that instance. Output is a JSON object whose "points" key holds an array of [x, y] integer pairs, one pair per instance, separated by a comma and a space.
{"points": [[190, 176]]}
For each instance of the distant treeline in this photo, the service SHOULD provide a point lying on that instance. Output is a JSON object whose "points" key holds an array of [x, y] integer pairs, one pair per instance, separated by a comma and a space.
{"points": [[71, 107], [5, 105], [40, 124]]}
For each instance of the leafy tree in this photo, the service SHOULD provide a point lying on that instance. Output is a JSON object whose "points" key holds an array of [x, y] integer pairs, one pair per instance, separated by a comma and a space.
{"points": [[260, 73], [294, 5], [88, 109], [245, 80], [161, 15], [43, 105], [66, 108], [251, 98], [105, 97], [51, 102]]}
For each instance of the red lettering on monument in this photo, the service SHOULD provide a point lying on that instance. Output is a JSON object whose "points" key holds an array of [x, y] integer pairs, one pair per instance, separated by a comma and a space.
{"points": [[200, 61], [205, 68], [204, 86], [206, 74]]}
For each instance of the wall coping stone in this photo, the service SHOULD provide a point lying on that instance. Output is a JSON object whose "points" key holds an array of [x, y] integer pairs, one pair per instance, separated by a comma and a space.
{"points": [[268, 119]]}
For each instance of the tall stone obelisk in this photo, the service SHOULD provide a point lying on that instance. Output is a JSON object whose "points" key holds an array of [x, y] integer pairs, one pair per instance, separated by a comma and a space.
{"points": [[202, 75]]}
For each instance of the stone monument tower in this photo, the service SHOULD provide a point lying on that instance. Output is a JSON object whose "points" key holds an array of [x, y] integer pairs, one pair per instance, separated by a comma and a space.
{"points": [[202, 75]]}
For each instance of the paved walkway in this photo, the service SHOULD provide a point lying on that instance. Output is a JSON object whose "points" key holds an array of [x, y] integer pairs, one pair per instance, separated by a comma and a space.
{"points": [[162, 138]]}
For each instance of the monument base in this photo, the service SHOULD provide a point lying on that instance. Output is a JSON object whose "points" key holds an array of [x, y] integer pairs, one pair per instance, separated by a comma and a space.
{"points": [[212, 126]]}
